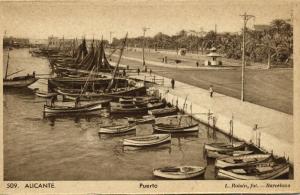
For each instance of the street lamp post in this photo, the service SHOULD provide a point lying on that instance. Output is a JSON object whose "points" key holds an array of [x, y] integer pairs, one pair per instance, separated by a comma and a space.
{"points": [[245, 18], [144, 32]]}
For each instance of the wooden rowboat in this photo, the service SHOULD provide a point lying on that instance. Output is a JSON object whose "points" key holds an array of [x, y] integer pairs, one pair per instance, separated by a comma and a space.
{"points": [[163, 111], [225, 146], [156, 105], [117, 129], [179, 172], [128, 111], [222, 154], [240, 161], [93, 108], [176, 128], [19, 82], [144, 119], [261, 171], [45, 94], [147, 140]]}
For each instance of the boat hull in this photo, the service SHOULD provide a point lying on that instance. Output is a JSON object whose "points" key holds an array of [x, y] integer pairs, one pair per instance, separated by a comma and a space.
{"points": [[192, 128], [88, 109], [150, 140], [7, 83], [117, 130], [240, 161], [215, 154], [195, 172], [228, 174], [223, 147]]}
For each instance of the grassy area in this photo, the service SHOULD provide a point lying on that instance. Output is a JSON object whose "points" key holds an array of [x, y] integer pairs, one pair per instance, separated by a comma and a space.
{"points": [[270, 88]]}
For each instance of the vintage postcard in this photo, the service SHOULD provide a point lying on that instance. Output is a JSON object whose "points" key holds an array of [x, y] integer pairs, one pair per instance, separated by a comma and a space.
{"points": [[149, 97]]}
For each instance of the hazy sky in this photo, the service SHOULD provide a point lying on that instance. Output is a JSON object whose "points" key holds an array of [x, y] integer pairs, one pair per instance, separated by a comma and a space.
{"points": [[75, 19]]}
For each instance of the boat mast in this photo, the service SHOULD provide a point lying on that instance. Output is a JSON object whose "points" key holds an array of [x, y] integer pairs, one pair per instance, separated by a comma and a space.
{"points": [[7, 65], [117, 65]]}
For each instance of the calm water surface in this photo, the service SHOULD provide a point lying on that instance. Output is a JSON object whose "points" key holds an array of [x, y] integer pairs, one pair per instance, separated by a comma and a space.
{"points": [[71, 148]]}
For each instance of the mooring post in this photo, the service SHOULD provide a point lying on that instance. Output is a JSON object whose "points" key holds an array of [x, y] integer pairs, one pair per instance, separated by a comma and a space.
{"points": [[208, 117], [259, 134]]}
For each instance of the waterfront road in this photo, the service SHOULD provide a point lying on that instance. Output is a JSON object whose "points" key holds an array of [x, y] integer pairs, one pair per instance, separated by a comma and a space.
{"points": [[271, 88]]}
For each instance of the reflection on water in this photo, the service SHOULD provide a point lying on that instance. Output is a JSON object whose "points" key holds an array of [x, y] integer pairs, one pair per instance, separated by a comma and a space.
{"points": [[70, 148]]}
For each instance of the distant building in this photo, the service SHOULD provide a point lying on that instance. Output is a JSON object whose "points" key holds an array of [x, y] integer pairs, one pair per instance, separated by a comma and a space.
{"points": [[53, 42], [15, 42], [213, 58]]}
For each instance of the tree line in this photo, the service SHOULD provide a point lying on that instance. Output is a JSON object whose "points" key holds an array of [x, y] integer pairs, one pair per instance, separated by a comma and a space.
{"points": [[272, 45]]}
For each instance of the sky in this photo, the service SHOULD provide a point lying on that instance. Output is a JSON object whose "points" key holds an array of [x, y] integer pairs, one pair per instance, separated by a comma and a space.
{"points": [[98, 18]]}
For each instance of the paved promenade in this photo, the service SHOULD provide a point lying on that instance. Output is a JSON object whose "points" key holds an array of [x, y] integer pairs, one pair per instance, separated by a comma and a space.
{"points": [[275, 129]]}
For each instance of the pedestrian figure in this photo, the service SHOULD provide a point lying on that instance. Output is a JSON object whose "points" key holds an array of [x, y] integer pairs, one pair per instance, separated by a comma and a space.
{"points": [[127, 67], [197, 64], [150, 71], [52, 101], [124, 73], [33, 74], [77, 100], [173, 83], [211, 91], [138, 71]]}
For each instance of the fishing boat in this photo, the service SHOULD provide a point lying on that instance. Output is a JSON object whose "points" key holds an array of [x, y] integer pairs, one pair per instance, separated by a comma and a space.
{"points": [[260, 171], [163, 111], [147, 140], [92, 108], [144, 119], [156, 105], [225, 146], [175, 128], [179, 172], [128, 109], [117, 129], [240, 161], [44, 94], [19, 81], [222, 154]]}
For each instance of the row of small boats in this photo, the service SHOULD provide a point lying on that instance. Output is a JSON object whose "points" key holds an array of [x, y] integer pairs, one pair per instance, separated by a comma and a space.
{"points": [[234, 162]]}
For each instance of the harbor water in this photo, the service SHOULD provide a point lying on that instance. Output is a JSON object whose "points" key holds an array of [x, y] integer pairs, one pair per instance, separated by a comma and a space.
{"points": [[71, 148]]}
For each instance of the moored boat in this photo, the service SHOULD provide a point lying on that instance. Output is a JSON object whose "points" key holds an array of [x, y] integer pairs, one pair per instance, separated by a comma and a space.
{"points": [[221, 154], [45, 94], [163, 111], [240, 161], [93, 108], [117, 129], [19, 82], [179, 172], [261, 171], [225, 146], [128, 110], [144, 119], [147, 140], [167, 128]]}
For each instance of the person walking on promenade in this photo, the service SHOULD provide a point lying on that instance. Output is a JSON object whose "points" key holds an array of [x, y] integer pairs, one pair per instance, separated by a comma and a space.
{"points": [[52, 101], [150, 71], [211, 91], [173, 83], [197, 64], [124, 73], [138, 71]]}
